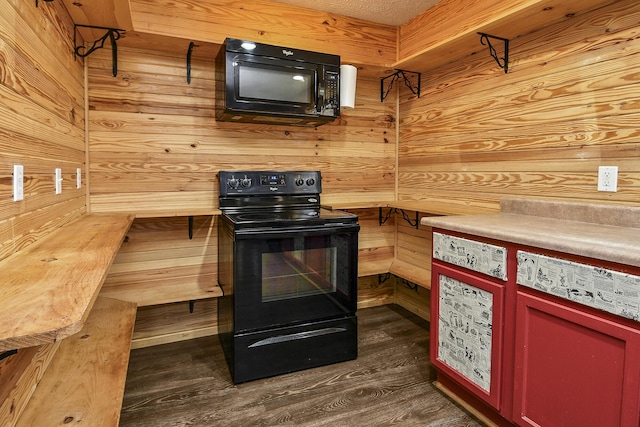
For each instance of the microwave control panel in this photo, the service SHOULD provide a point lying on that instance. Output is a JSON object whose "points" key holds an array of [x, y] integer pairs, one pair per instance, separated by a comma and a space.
{"points": [[331, 89]]}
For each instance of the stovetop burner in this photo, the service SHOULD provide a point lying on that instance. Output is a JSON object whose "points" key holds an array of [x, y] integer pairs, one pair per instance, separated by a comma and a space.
{"points": [[275, 199], [274, 216], [288, 217], [265, 216]]}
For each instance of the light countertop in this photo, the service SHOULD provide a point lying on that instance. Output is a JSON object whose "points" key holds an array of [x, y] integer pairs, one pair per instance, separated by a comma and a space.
{"points": [[601, 231]]}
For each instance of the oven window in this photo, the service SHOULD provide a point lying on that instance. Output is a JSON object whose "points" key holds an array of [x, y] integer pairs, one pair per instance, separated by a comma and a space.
{"points": [[293, 277], [298, 273]]}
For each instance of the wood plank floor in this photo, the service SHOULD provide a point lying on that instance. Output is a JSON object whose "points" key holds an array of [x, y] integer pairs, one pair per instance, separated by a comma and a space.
{"points": [[188, 384]]}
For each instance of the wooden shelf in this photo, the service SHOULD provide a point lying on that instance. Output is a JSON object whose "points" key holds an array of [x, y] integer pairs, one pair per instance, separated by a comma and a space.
{"points": [[108, 14], [418, 275], [84, 384], [373, 267], [158, 292], [172, 213], [426, 206], [358, 205], [449, 30], [161, 324], [49, 287]]}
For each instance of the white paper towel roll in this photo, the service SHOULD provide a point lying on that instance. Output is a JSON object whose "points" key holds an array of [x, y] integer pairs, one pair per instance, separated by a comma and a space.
{"points": [[348, 76]]}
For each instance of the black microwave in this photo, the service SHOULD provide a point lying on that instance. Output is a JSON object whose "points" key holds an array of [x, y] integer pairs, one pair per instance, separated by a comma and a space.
{"points": [[259, 83]]}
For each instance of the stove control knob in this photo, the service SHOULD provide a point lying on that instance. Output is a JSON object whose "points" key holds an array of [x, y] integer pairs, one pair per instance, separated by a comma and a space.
{"points": [[233, 183], [299, 181], [310, 182], [246, 182]]}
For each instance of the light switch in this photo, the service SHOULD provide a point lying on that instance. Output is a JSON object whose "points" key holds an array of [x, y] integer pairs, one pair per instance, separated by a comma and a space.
{"points": [[58, 180], [18, 183]]}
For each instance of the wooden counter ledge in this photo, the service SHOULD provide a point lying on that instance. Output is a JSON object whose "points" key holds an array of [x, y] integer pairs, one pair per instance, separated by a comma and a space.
{"points": [[47, 289]]}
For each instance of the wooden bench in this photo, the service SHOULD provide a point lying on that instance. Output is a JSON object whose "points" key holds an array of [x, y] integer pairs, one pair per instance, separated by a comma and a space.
{"points": [[84, 383], [47, 292]]}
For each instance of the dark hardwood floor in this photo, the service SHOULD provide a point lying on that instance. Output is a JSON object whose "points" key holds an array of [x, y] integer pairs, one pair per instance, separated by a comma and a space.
{"points": [[188, 384]]}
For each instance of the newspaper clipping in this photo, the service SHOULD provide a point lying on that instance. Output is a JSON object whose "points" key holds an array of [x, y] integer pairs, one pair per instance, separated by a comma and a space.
{"points": [[601, 288], [476, 256], [464, 330]]}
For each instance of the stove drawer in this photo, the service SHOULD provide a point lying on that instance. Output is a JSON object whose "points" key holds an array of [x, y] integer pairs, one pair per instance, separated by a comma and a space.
{"points": [[293, 348]]}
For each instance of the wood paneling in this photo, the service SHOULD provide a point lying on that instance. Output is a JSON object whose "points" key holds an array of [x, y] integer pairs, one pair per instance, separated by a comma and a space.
{"points": [[449, 30], [20, 374], [375, 242], [375, 290], [48, 288], [159, 264], [161, 324], [567, 105], [112, 13], [85, 382], [413, 250], [155, 144], [414, 298], [355, 40], [160, 269], [165, 323], [41, 121], [42, 128]]}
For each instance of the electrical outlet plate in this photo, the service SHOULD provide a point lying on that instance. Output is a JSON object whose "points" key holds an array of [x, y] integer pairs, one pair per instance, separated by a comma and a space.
{"points": [[78, 178], [58, 180], [608, 178], [18, 183]]}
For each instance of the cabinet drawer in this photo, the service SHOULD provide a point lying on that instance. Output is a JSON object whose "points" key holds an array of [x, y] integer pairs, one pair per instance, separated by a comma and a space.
{"points": [[474, 255], [597, 287]]}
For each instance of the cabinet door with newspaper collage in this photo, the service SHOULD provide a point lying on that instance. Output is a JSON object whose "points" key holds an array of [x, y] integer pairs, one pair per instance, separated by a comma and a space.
{"points": [[467, 331]]}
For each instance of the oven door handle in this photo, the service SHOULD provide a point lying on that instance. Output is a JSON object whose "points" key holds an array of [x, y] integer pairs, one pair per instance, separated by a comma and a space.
{"points": [[259, 233]]}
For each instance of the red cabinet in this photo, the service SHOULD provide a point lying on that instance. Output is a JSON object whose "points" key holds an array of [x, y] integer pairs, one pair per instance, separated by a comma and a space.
{"points": [[467, 330], [573, 367], [565, 334]]}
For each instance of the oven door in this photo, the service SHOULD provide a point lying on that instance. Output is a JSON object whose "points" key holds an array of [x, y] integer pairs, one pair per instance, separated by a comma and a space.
{"points": [[292, 276]]}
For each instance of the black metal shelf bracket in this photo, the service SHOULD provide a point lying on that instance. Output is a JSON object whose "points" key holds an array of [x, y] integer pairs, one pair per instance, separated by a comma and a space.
{"points": [[386, 217], [7, 354], [414, 88], [412, 222], [48, 1], [191, 45], [485, 40], [383, 278], [190, 227], [410, 285], [192, 304], [112, 34]]}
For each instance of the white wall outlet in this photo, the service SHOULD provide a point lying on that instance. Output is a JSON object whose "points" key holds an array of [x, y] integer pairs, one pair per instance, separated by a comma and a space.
{"points": [[78, 178], [608, 178], [18, 183], [58, 180]]}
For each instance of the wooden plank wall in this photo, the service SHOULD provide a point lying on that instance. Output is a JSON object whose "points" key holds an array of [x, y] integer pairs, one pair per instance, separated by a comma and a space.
{"points": [[567, 105], [41, 121], [155, 147], [158, 263], [41, 127], [161, 269]]}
